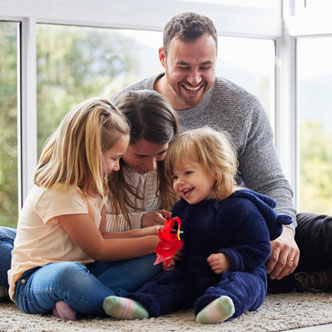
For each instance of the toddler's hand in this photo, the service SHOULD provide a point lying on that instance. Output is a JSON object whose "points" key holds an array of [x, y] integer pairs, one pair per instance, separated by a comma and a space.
{"points": [[170, 266], [177, 257], [219, 263]]}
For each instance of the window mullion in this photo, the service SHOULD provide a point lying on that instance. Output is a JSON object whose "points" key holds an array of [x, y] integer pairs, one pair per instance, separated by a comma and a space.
{"points": [[286, 128], [27, 97]]}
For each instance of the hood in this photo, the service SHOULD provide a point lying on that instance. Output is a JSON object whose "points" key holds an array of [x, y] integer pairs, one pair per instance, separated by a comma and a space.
{"points": [[266, 205]]}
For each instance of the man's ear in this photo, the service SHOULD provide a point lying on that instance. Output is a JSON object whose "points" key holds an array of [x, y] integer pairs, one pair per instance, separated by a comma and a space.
{"points": [[162, 57]]}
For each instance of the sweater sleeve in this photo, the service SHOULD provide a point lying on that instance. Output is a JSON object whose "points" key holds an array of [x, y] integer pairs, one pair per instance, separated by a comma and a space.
{"points": [[259, 165]]}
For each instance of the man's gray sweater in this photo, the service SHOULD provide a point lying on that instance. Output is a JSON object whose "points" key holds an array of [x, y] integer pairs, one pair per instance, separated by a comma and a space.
{"points": [[230, 108]]}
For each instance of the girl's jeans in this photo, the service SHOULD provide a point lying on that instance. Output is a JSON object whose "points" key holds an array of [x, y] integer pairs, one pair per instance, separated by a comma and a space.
{"points": [[83, 288]]}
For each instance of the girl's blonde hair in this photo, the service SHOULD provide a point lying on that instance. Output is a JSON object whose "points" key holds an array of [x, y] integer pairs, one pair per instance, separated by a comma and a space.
{"points": [[73, 155], [212, 150], [152, 118]]}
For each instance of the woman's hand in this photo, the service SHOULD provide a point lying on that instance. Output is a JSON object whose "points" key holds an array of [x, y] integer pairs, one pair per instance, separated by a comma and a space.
{"points": [[154, 218]]}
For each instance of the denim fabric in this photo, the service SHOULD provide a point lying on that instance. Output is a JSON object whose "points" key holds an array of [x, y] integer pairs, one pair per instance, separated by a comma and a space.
{"points": [[7, 237], [128, 274], [83, 288]]}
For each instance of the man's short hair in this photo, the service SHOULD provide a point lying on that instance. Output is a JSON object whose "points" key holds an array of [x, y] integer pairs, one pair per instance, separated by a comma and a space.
{"points": [[188, 27]]}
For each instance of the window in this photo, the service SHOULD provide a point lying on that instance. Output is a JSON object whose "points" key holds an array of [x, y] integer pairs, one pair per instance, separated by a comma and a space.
{"points": [[94, 51], [242, 3], [76, 63], [8, 124], [250, 63], [314, 107]]}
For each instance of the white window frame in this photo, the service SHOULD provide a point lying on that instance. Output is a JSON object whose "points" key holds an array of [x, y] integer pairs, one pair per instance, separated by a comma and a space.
{"points": [[298, 22], [265, 23]]}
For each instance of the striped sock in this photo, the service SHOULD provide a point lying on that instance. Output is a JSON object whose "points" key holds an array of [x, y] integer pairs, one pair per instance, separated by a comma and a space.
{"points": [[217, 311], [123, 308]]}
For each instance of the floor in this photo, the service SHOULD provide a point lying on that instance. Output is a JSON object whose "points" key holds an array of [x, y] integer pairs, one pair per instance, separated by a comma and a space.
{"points": [[321, 328]]}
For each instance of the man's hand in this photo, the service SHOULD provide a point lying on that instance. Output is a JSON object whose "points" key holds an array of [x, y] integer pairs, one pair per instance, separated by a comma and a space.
{"points": [[219, 263], [154, 218], [284, 256]]}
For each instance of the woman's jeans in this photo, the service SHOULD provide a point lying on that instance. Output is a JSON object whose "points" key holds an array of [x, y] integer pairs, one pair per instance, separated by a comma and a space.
{"points": [[7, 237], [83, 288]]}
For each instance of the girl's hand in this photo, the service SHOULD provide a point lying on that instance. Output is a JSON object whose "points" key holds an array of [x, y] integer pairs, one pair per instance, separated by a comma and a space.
{"points": [[154, 218], [152, 230], [219, 263]]}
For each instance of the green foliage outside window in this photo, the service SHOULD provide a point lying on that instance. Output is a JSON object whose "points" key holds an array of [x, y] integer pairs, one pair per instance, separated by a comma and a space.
{"points": [[76, 63], [8, 124], [73, 64], [316, 168]]}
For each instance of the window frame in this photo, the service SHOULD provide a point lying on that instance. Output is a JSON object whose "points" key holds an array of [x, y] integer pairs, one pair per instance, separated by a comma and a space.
{"points": [[298, 22], [233, 21]]}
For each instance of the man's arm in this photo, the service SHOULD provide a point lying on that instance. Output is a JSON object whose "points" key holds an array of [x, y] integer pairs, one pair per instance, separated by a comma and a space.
{"points": [[259, 164], [261, 171]]}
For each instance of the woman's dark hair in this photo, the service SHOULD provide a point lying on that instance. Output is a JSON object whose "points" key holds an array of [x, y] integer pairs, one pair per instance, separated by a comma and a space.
{"points": [[152, 118]]}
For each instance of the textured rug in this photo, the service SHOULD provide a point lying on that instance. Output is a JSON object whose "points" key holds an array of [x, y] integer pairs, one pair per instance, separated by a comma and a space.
{"points": [[278, 313]]}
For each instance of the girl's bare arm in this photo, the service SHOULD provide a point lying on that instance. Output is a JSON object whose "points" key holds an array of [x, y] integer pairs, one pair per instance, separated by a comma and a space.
{"points": [[108, 246]]}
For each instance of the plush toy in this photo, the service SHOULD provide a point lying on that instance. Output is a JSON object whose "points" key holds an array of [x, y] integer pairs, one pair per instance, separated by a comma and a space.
{"points": [[170, 241]]}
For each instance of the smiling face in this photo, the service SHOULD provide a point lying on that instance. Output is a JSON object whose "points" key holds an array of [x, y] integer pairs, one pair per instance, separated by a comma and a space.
{"points": [[112, 156], [192, 182], [142, 156], [190, 70]]}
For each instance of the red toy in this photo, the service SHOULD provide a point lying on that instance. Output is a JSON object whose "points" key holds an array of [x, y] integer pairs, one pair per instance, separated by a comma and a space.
{"points": [[170, 241]]}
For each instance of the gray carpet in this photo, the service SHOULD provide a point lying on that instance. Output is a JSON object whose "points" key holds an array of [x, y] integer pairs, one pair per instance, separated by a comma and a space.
{"points": [[278, 313]]}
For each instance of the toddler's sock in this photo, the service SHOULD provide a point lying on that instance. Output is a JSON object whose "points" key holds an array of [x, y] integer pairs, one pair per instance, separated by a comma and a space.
{"points": [[217, 311], [64, 311], [123, 308]]}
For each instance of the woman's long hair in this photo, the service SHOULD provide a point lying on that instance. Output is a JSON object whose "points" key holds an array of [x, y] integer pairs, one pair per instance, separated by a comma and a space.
{"points": [[152, 118]]}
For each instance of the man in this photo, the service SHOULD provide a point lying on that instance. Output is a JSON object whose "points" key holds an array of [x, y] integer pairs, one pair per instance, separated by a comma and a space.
{"points": [[200, 98]]}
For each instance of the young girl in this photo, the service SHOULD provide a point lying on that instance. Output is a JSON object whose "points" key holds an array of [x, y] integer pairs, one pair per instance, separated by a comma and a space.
{"points": [[61, 230], [138, 192], [226, 234]]}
